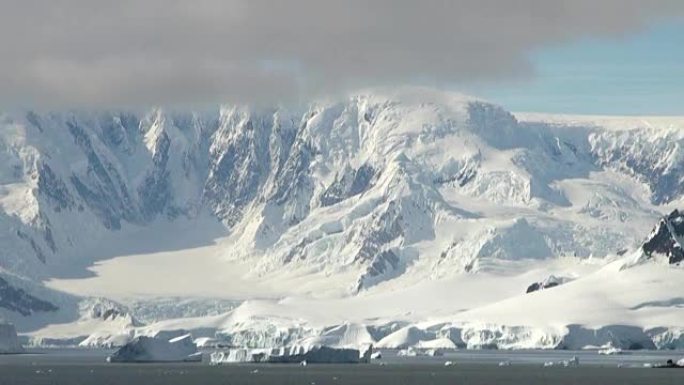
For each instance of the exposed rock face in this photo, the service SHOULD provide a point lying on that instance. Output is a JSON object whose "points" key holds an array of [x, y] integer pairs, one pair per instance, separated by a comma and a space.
{"points": [[18, 300], [103, 188], [365, 354], [350, 183], [666, 237], [539, 286], [551, 281]]}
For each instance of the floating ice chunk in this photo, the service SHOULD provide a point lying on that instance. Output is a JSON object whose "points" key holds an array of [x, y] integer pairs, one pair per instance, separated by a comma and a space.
{"points": [[610, 351], [438, 343], [415, 352], [410, 352], [670, 364], [574, 361]]}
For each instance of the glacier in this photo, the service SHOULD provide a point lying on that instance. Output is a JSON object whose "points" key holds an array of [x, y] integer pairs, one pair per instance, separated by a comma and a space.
{"points": [[404, 218]]}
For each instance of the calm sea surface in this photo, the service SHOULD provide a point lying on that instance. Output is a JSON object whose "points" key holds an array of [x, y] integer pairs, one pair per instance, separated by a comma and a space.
{"points": [[57, 367]]}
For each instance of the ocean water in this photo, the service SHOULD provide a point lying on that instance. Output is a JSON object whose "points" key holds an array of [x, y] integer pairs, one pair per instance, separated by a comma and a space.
{"points": [[476, 368]]}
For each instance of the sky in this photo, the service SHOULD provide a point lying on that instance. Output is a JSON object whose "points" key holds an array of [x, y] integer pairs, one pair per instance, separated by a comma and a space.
{"points": [[638, 74], [572, 56]]}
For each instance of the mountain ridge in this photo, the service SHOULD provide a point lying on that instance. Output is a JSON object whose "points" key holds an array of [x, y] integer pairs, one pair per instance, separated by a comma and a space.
{"points": [[375, 191]]}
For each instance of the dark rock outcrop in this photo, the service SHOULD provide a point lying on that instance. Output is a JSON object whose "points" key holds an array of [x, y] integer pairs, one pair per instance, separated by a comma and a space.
{"points": [[539, 286], [551, 281], [665, 238], [350, 183], [17, 300]]}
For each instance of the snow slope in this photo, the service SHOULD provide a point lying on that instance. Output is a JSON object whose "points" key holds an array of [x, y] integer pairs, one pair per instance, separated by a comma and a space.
{"points": [[384, 210]]}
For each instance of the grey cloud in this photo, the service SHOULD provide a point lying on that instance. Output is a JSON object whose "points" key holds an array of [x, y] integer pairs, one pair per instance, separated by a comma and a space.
{"points": [[141, 52]]}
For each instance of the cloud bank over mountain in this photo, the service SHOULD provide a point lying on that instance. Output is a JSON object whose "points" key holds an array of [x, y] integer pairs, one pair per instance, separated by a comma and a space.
{"points": [[103, 53]]}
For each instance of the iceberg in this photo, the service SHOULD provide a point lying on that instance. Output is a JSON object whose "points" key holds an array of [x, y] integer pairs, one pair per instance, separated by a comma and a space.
{"points": [[574, 361], [670, 364], [154, 349], [295, 354], [9, 343], [417, 352], [437, 344], [610, 351], [409, 352]]}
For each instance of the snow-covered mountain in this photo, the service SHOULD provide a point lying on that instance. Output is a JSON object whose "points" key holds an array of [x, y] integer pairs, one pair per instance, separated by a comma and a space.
{"points": [[347, 199]]}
